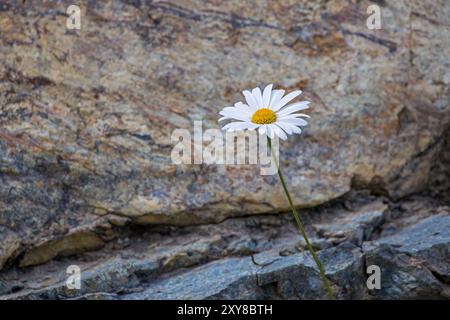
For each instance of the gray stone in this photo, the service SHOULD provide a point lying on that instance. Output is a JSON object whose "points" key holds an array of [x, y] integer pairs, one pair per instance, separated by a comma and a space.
{"points": [[415, 263], [297, 277], [267, 275], [354, 227]]}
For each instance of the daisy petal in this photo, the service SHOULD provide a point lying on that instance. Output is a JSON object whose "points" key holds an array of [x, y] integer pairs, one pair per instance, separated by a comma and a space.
{"points": [[258, 97], [284, 126], [267, 131], [289, 126], [296, 121], [233, 126], [251, 102], [270, 132], [266, 95], [262, 129], [302, 105], [293, 115], [253, 126], [275, 97], [234, 113], [243, 108], [296, 129], [279, 132], [286, 100]]}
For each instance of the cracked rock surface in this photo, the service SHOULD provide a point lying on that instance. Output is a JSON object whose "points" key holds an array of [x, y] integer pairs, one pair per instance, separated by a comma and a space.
{"points": [[260, 257], [86, 176]]}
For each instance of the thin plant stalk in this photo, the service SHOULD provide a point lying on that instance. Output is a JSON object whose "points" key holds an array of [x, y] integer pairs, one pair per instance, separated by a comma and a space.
{"points": [[300, 226]]}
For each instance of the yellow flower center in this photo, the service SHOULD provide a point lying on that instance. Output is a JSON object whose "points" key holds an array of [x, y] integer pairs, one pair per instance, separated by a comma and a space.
{"points": [[264, 116]]}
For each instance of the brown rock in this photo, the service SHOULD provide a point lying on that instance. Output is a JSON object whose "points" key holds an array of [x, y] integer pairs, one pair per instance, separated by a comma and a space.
{"points": [[70, 244], [86, 115]]}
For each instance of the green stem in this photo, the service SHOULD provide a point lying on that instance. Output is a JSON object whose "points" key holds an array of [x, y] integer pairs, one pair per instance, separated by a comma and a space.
{"points": [[300, 226]]}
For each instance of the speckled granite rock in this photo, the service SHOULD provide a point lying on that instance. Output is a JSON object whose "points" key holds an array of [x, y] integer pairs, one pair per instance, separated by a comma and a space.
{"points": [[86, 116]]}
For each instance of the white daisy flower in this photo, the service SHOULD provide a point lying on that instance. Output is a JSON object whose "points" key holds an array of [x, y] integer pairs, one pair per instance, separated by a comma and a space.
{"points": [[268, 112]]}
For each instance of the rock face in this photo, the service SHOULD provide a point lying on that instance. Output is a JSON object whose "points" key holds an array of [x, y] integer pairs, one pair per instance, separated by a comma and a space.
{"points": [[260, 257], [416, 261], [86, 116]]}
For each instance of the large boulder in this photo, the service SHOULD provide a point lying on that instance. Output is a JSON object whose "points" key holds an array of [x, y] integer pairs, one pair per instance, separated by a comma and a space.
{"points": [[86, 116]]}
